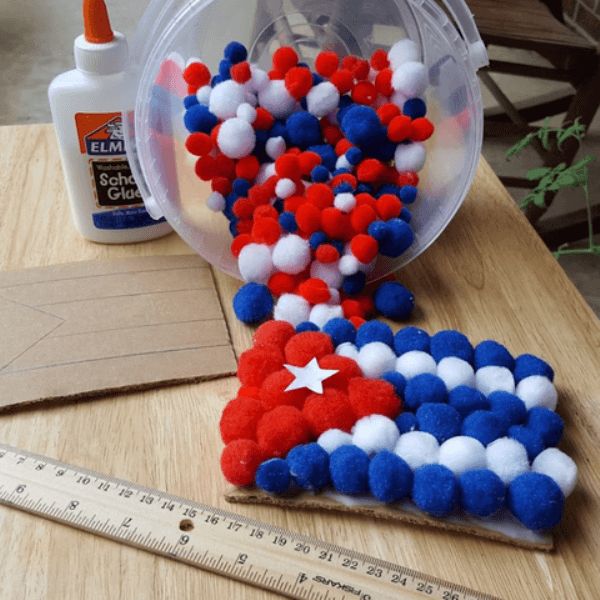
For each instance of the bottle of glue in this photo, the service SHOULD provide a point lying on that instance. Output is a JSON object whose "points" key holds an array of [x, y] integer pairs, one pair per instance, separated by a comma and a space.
{"points": [[87, 106]]}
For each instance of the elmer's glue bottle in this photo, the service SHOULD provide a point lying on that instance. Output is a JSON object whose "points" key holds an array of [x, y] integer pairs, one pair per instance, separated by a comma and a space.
{"points": [[87, 105]]}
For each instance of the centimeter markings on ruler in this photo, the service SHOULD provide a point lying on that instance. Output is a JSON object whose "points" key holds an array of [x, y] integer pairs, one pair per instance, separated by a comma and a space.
{"points": [[206, 537]]}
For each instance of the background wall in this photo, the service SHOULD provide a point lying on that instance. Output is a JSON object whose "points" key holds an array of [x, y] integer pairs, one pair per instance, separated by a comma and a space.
{"points": [[584, 15]]}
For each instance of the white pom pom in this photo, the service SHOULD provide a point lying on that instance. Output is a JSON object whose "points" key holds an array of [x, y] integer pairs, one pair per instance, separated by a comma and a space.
{"points": [[323, 313], [345, 202], [246, 112], [225, 99], [276, 99], [418, 448], [203, 95], [349, 265], [410, 79], [328, 272], [375, 359], [375, 433], [254, 263], [415, 362], [216, 202], [291, 308], [266, 170], [275, 147], [291, 254], [462, 453], [347, 349], [322, 99], [335, 296], [342, 163], [455, 371], [403, 51], [259, 80], [537, 390], [332, 439], [559, 466], [250, 99], [507, 458], [236, 138], [494, 379], [410, 157], [398, 98], [285, 188]]}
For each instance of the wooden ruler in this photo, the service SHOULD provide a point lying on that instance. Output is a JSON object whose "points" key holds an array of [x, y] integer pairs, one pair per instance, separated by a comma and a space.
{"points": [[208, 538]]}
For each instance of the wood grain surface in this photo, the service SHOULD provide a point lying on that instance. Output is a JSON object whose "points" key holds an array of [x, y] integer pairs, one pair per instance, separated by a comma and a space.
{"points": [[488, 275]]}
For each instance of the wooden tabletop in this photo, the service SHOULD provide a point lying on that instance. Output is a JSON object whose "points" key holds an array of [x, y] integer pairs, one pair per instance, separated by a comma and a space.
{"points": [[489, 275]]}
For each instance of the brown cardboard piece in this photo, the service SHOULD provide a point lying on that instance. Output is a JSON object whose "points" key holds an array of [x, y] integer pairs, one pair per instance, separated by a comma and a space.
{"points": [[85, 328]]}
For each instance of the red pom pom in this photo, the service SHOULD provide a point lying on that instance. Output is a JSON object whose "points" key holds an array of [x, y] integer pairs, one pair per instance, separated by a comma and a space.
{"points": [[225, 166], [197, 75], [264, 119], [239, 461], [293, 203], [206, 168], [199, 144], [335, 223], [330, 410], [399, 128], [243, 208], [305, 346], [379, 60], [275, 74], [349, 62], [265, 211], [407, 178], [383, 82], [366, 302], [346, 369], [308, 161], [320, 195], [361, 217], [308, 218], [255, 364], [357, 321], [421, 129], [288, 165], [326, 253], [221, 185], [239, 241], [214, 135], [314, 290], [247, 168], [239, 419], [364, 92], [327, 63], [244, 226], [272, 391], [364, 247], [343, 80], [274, 333], [266, 231], [388, 206], [281, 429], [298, 82], [361, 69], [344, 178], [281, 283], [373, 396], [352, 308], [387, 112], [240, 72], [248, 391], [365, 199], [343, 146], [370, 170], [332, 134], [284, 59]]}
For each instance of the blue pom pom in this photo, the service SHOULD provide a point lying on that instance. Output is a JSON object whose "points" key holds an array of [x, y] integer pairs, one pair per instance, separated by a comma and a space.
{"points": [[528, 364], [492, 354], [378, 230], [510, 408], [364, 188], [435, 490], [398, 239], [354, 284], [241, 187], [405, 215], [397, 380], [547, 424], [316, 239], [484, 426], [343, 188], [467, 400], [354, 155], [278, 205], [233, 228], [394, 301], [406, 422], [341, 172], [408, 194], [360, 124], [216, 80], [235, 52], [482, 492], [408, 339], [304, 129], [414, 108], [451, 343], [440, 420], [319, 174], [225, 69], [389, 188], [327, 154], [338, 245], [253, 303], [199, 118], [536, 500], [273, 476], [287, 220], [309, 465], [349, 470], [390, 478], [190, 101], [424, 388], [340, 331], [374, 331], [531, 439], [317, 79], [279, 130], [306, 326]]}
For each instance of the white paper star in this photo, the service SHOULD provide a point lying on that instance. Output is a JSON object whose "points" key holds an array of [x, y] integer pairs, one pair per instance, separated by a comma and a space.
{"points": [[310, 376]]}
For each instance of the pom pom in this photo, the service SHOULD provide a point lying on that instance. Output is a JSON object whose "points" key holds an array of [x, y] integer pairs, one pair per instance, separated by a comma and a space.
{"points": [[198, 144], [314, 290], [530, 439], [492, 354], [359, 124], [507, 458], [388, 206], [330, 410], [354, 284], [328, 272], [298, 81], [481, 492], [275, 98], [467, 400], [527, 365], [411, 338], [455, 372], [421, 130], [440, 420], [375, 433], [322, 99], [241, 73], [303, 129], [399, 129], [346, 368], [435, 490], [284, 59], [547, 424], [239, 419], [235, 52], [461, 454], [394, 301], [197, 74], [417, 448], [199, 119], [373, 396], [285, 188], [451, 343], [343, 80], [216, 202], [406, 422], [273, 393], [306, 326], [364, 92], [410, 79], [239, 462], [361, 217], [398, 237], [236, 138], [253, 303], [413, 363], [275, 147], [302, 348], [484, 426], [280, 429], [397, 380], [256, 363], [225, 99], [273, 476], [536, 500], [414, 108], [340, 331], [424, 388], [374, 331], [291, 255], [349, 265], [410, 157], [375, 358], [557, 465], [327, 63], [246, 112], [390, 478], [349, 470], [403, 51], [332, 439], [254, 263], [287, 221], [494, 379], [364, 247], [282, 283], [292, 308], [537, 390], [309, 465], [322, 313], [508, 407], [345, 202]]}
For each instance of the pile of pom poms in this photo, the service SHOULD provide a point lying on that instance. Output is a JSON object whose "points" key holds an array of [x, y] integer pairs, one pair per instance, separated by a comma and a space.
{"points": [[315, 171], [408, 416]]}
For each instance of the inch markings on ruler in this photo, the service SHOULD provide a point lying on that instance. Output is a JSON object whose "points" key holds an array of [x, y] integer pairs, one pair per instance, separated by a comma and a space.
{"points": [[206, 537]]}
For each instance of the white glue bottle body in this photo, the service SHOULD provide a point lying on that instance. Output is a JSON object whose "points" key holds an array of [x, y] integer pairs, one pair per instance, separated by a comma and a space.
{"points": [[87, 105]]}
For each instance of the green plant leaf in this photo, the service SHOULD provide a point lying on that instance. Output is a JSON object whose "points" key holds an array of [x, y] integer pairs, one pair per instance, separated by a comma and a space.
{"points": [[543, 135], [520, 146], [538, 173]]}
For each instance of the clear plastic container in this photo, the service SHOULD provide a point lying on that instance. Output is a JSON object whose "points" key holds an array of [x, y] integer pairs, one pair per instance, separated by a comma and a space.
{"points": [[173, 31]]}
